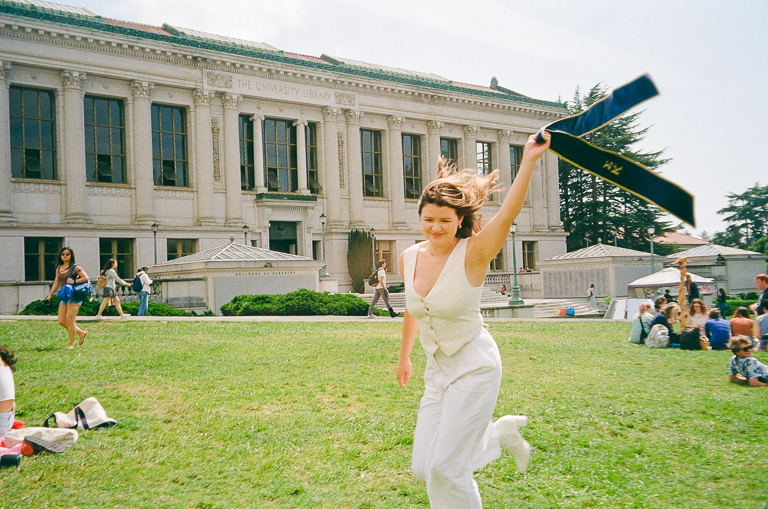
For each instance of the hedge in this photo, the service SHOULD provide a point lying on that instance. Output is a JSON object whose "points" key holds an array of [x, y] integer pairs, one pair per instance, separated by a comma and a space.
{"points": [[300, 302], [91, 307]]}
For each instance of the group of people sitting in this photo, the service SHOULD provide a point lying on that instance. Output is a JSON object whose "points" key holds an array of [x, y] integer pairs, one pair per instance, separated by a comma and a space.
{"points": [[717, 330]]}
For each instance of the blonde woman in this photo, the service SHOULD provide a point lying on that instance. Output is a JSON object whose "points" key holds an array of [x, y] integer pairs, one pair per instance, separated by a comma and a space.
{"points": [[455, 434]]}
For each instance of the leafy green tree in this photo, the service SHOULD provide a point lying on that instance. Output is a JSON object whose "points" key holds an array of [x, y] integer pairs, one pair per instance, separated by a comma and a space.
{"points": [[747, 215], [592, 208], [359, 258]]}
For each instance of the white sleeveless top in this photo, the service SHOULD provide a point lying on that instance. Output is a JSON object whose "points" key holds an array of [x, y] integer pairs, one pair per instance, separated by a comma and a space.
{"points": [[449, 316], [7, 387]]}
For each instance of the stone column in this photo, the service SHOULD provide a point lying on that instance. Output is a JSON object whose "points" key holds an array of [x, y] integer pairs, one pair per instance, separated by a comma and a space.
{"points": [[355, 165], [204, 159], [301, 155], [536, 191], [395, 172], [232, 180], [433, 150], [552, 179], [331, 167], [144, 174], [470, 146], [74, 146], [504, 162], [6, 215], [258, 155]]}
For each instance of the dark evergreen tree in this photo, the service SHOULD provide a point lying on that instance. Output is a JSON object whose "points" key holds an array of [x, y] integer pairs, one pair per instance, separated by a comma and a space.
{"points": [[592, 208], [747, 215], [359, 258]]}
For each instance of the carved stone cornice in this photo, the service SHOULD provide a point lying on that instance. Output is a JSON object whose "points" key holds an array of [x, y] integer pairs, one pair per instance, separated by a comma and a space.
{"points": [[470, 131], [300, 122], [142, 89], [330, 114], [505, 135], [202, 97], [5, 69], [345, 99], [231, 101], [220, 80], [353, 117], [254, 118], [72, 80], [433, 126], [395, 122]]}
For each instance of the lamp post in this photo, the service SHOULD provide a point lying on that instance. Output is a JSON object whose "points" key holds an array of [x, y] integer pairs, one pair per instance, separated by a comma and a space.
{"points": [[651, 231], [154, 234], [373, 247], [324, 270], [515, 300], [245, 234]]}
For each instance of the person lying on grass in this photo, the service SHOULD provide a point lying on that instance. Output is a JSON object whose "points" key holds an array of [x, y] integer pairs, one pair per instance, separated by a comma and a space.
{"points": [[745, 369]]}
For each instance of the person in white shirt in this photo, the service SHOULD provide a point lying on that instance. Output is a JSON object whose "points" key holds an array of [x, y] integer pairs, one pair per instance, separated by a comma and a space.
{"points": [[146, 289], [110, 291], [380, 290], [7, 390], [443, 286]]}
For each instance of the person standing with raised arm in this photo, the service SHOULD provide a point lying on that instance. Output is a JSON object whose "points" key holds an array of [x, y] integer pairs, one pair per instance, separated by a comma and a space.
{"points": [[455, 434]]}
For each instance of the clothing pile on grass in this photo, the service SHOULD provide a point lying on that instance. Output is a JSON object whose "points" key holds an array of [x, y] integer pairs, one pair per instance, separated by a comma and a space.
{"points": [[21, 441]]}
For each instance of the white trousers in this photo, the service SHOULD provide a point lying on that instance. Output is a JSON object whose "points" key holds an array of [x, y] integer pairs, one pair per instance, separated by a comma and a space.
{"points": [[6, 422], [454, 432]]}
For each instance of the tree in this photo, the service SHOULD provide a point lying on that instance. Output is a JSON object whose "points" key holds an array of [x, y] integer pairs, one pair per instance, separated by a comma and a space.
{"points": [[747, 215], [592, 208], [359, 258]]}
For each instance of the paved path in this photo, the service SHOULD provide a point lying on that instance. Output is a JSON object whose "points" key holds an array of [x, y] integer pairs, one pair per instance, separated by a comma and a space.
{"points": [[90, 319]]}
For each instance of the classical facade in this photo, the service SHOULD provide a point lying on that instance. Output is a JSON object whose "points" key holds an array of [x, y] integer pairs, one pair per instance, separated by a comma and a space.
{"points": [[109, 127]]}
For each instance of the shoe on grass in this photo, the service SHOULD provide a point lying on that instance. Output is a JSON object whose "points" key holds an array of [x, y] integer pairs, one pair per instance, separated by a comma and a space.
{"points": [[511, 439]]}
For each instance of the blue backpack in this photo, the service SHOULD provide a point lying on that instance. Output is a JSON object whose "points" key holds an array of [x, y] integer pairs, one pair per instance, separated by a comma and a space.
{"points": [[137, 285]]}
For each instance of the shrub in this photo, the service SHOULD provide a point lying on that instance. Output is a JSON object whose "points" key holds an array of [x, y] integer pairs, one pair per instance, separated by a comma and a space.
{"points": [[298, 303], [398, 288], [91, 307], [749, 296]]}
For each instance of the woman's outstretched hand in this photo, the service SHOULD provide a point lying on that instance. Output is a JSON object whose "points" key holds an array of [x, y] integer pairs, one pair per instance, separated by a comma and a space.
{"points": [[534, 149], [403, 371]]}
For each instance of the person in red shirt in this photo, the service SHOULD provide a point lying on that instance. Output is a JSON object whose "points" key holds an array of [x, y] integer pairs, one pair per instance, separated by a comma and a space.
{"points": [[741, 324]]}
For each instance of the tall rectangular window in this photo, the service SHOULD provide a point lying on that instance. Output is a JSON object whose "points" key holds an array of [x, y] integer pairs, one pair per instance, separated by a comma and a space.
{"points": [[515, 156], [449, 149], [280, 162], [33, 133], [497, 264], [180, 247], [484, 163], [313, 173], [412, 165], [40, 258], [384, 252], [529, 255], [245, 128], [104, 140], [120, 250], [169, 145], [371, 154]]}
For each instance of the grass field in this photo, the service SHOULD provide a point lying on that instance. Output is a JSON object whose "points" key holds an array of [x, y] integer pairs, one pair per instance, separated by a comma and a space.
{"points": [[230, 415]]}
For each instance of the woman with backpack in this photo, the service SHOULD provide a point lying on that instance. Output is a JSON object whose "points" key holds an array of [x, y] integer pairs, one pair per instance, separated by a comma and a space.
{"points": [[641, 324], [69, 273], [142, 285], [110, 294]]}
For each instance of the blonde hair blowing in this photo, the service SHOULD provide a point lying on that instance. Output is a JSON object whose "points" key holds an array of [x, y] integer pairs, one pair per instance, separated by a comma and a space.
{"points": [[464, 191]]}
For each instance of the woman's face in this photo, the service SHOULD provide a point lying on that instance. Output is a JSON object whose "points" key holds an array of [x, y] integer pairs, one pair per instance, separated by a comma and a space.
{"points": [[439, 224], [66, 256], [697, 308]]}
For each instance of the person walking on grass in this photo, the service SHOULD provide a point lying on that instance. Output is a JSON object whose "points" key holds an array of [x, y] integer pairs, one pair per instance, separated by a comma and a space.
{"points": [[380, 290], [455, 434], [146, 289], [744, 368], [68, 272], [110, 291]]}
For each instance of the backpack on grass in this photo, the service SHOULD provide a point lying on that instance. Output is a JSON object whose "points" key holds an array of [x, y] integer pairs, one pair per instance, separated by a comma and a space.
{"points": [[690, 338], [137, 285]]}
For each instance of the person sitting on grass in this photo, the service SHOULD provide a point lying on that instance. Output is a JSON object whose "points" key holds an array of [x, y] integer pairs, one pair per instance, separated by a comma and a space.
{"points": [[741, 323], [718, 331], [744, 368], [698, 313], [667, 317], [641, 324]]}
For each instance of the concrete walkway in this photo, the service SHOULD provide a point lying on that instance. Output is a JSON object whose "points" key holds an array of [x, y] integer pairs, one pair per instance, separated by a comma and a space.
{"points": [[165, 319]]}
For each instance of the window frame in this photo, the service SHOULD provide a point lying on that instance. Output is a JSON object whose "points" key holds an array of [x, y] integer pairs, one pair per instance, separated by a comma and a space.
{"points": [[529, 248], [313, 171], [125, 259], [45, 260], [21, 153], [385, 254], [413, 157], [497, 264], [291, 170], [246, 142], [484, 157], [179, 250], [376, 174], [450, 151], [93, 156], [515, 156], [159, 161]]}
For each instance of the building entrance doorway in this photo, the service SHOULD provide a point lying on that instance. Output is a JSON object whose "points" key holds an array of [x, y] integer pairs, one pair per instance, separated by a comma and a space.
{"points": [[282, 237]]}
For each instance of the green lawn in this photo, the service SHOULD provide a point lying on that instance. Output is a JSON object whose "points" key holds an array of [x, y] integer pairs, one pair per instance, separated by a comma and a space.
{"points": [[220, 415]]}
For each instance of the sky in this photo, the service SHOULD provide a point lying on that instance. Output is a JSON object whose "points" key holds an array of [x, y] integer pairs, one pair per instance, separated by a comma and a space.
{"points": [[709, 60]]}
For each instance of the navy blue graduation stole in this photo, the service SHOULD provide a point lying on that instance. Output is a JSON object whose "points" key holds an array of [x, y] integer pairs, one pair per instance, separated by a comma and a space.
{"points": [[615, 168]]}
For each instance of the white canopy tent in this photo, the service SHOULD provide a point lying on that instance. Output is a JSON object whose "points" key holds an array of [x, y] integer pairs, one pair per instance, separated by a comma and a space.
{"points": [[645, 287]]}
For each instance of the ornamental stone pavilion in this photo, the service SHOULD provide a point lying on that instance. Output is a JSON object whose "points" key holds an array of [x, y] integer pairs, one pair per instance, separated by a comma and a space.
{"points": [[109, 127]]}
